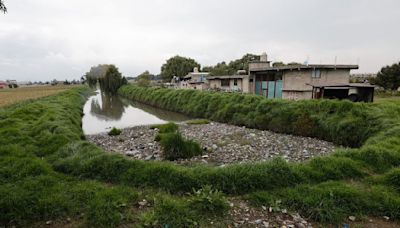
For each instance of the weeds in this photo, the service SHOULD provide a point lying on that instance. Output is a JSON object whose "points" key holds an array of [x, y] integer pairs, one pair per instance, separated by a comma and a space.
{"points": [[173, 144], [114, 132]]}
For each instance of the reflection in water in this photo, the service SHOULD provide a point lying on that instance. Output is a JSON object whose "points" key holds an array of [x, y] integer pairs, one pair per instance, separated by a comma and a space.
{"points": [[102, 112], [108, 107]]}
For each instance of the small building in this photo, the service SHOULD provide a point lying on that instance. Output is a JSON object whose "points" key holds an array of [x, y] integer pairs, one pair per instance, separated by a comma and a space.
{"points": [[356, 92], [195, 80], [230, 83], [297, 82], [3, 85]]}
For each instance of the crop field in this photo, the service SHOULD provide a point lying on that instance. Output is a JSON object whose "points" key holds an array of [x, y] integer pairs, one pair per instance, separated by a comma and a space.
{"points": [[51, 175], [10, 96]]}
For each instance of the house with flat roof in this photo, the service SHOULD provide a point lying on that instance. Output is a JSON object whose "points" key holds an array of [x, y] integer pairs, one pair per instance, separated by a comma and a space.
{"points": [[194, 80], [293, 81], [230, 83], [312, 81]]}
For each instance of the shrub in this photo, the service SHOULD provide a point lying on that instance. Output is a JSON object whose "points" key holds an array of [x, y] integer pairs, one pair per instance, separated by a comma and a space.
{"points": [[114, 132], [176, 147], [208, 202]]}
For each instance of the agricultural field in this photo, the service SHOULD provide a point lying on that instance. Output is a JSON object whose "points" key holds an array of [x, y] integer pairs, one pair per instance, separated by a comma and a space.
{"points": [[51, 176], [10, 96]]}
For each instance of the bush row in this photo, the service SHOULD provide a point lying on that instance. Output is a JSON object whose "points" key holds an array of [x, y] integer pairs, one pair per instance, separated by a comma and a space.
{"points": [[342, 122]]}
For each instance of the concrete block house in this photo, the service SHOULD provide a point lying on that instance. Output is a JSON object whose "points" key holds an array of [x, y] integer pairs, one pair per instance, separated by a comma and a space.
{"points": [[294, 82], [312, 81], [195, 80]]}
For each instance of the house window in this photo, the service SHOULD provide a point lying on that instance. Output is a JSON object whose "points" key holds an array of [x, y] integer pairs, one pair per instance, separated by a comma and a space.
{"points": [[225, 82], [316, 73], [235, 82]]}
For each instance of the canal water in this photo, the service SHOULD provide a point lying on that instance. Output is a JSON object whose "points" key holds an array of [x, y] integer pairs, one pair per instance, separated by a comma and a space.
{"points": [[103, 112]]}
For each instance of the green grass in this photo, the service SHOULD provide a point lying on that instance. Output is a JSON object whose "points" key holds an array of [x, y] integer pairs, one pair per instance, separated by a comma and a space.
{"points": [[30, 189], [198, 122], [333, 202], [192, 211], [49, 172]]}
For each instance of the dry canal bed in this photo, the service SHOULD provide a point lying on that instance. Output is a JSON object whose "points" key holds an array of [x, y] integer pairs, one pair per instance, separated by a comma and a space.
{"points": [[222, 143]]}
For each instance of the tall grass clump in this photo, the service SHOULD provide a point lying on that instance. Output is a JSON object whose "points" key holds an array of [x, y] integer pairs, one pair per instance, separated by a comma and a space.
{"points": [[173, 144], [114, 132]]}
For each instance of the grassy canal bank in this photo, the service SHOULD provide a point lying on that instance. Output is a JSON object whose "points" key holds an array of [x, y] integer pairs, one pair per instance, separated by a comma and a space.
{"points": [[49, 172]]}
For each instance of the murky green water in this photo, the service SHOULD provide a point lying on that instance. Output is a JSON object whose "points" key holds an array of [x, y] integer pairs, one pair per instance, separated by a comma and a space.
{"points": [[104, 112]]}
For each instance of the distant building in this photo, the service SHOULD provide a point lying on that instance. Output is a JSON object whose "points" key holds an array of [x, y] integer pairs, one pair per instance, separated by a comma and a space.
{"points": [[230, 83], [3, 85], [293, 81], [194, 80]]}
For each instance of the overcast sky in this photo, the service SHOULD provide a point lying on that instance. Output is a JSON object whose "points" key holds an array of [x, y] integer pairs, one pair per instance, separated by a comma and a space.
{"points": [[46, 39]]}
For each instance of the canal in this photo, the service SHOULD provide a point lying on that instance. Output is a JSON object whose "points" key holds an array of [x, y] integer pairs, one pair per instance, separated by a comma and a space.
{"points": [[103, 112]]}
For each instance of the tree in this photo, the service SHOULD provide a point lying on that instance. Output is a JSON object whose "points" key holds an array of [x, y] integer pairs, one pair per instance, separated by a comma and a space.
{"points": [[144, 78], [278, 64], [220, 69], [177, 66], [112, 81], [229, 69], [3, 7], [243, 63], [389, 77]]}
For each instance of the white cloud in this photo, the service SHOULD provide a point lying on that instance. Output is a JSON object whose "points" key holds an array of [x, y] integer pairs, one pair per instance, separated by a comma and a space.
{"points": [[46, 39]]}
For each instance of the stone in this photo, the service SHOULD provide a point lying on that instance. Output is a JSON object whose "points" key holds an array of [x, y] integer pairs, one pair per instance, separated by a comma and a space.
{"points": [[49, 222], [266, 224], [131, 153], [150, 157], [205, 156], [143, 203], [386, 218], [228, 144], [300, 225], [264, 208], [214, 146], [352, 218], [258, 221]]}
